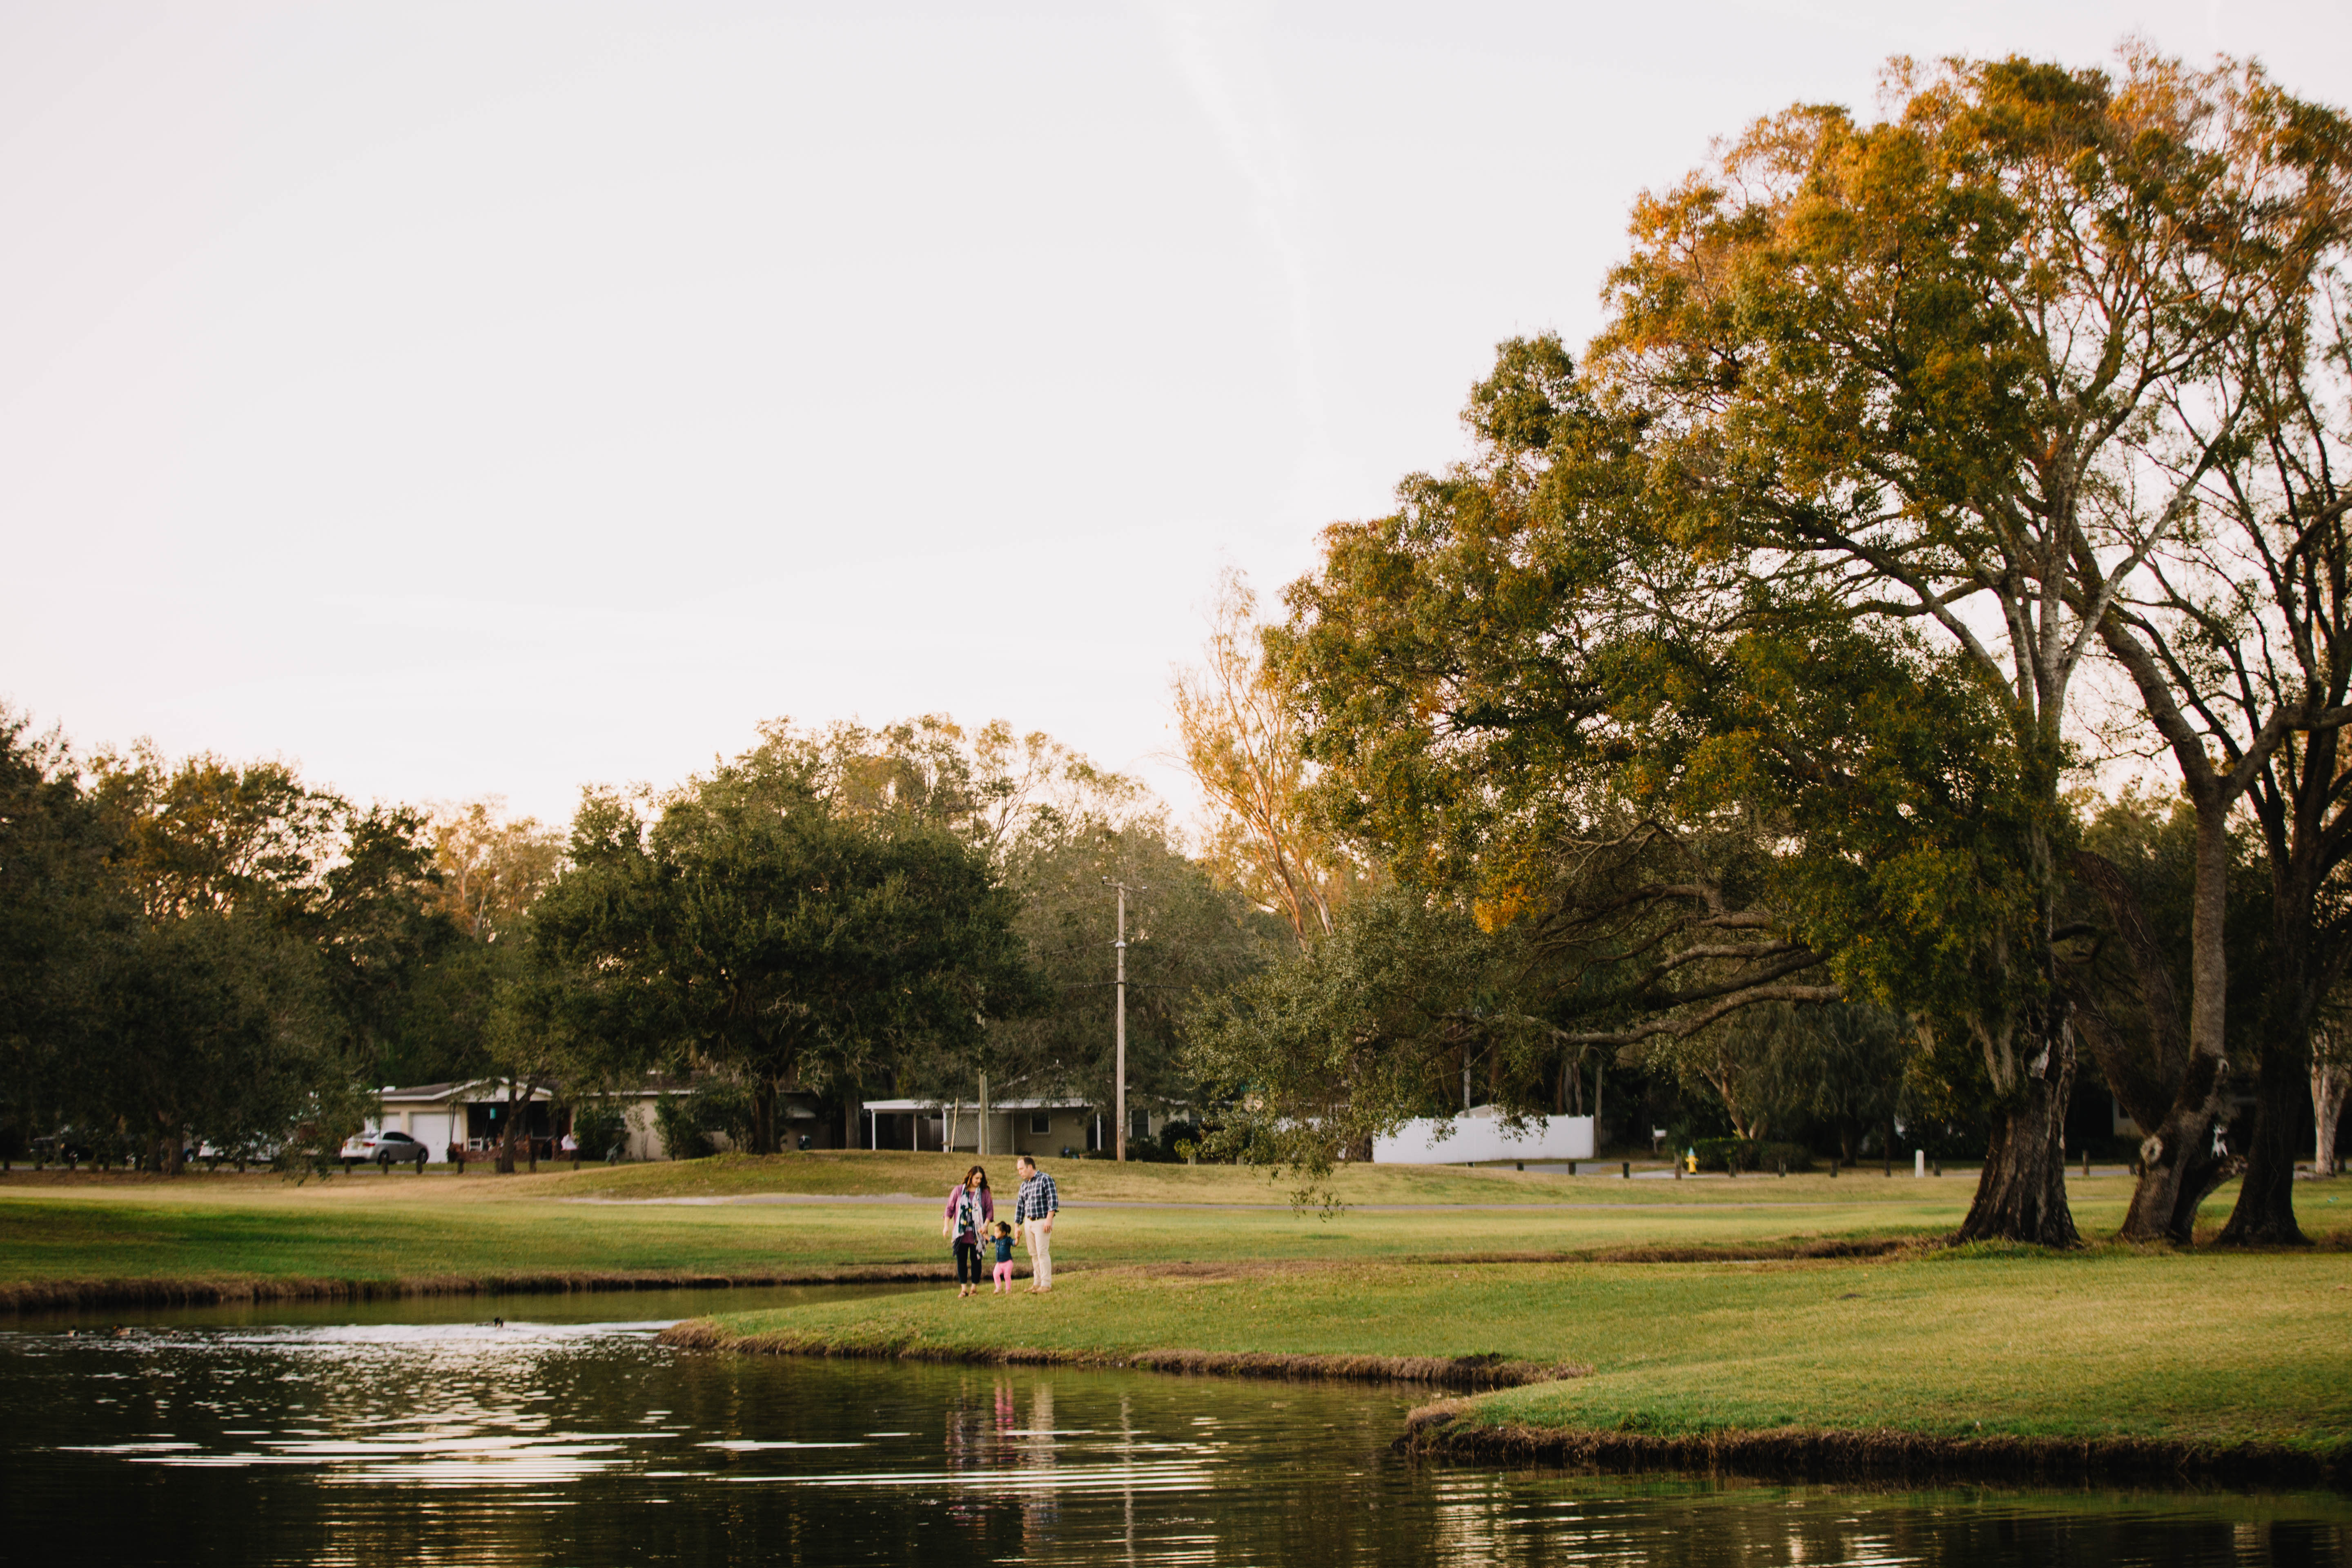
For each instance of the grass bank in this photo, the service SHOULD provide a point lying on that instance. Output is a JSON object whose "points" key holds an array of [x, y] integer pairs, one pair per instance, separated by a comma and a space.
{"points": [[95, 1240], [2112, 1361]]}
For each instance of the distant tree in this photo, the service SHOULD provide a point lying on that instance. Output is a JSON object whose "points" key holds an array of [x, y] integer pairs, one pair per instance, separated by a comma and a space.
{"points": [[202, 950], [59, 903], [1779, 1069], [1187, 938], [1406, 1009], [219, 1026], [486, 872], [757, 927], [211, 835], [491, 868], [1242, 744]]}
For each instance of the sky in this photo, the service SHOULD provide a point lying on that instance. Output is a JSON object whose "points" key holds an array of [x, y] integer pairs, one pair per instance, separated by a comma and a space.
{"points": [[497, 398]]}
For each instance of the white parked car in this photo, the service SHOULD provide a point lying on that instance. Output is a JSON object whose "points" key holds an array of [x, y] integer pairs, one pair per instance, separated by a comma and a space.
{"points": [[386, 1149]]}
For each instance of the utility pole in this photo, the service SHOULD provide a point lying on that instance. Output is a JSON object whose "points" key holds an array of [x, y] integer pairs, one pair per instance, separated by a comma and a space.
{"points": [[1120, 947]]}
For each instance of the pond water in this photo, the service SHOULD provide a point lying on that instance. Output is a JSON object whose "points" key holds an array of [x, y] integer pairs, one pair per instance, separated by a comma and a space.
{"points": [[420, 1432]]}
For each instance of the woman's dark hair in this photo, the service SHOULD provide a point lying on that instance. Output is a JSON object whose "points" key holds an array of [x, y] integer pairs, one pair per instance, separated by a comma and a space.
{"points": [[975, 1171]]}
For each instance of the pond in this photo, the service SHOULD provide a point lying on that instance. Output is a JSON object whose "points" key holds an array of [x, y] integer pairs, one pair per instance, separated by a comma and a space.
{"points": [[423, 1432]]}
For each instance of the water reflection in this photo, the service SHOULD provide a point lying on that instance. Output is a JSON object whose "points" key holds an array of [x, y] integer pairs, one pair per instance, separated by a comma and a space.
{"points": [[544, 1442]]}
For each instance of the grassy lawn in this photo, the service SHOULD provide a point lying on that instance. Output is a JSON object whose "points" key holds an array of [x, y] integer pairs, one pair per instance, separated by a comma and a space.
{"points": [[2203, 1347], [426, 1228], [2109, 1344], [1104, 1181], [374, 1227]]}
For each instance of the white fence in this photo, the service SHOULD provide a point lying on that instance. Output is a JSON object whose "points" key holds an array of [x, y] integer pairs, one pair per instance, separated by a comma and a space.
{"points": [[1479, 1134]]}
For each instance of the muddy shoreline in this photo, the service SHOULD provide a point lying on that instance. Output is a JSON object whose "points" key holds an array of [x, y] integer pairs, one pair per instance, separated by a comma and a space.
{"points": [[1437, 1431], [1475, 1373]]}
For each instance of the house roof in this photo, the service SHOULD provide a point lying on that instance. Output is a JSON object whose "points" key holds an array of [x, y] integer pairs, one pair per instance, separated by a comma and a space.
{"points": [[473, 1090]]}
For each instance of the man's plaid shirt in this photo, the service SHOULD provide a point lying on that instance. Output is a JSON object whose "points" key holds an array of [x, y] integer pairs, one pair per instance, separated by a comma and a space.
{"points": [[1037, 1199]]}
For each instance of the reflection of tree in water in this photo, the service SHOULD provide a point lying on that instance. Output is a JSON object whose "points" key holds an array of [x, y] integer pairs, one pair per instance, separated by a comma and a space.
{"points": [[1678, 1523], [1041, 1506], [1230, 1472]]}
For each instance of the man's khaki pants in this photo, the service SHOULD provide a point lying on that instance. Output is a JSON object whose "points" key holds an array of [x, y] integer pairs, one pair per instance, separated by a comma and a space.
{"points": [[1041, 1256]]}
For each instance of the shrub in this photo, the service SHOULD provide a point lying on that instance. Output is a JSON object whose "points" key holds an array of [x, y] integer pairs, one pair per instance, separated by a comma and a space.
{"points": [[682, 1136], [1751, 1154], [597, 1126]]}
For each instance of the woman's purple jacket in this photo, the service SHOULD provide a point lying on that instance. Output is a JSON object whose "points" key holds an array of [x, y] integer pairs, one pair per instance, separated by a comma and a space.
{"points": [[987, 1206]]}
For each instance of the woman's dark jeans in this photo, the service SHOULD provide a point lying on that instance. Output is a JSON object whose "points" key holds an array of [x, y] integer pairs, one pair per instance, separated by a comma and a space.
{"points": [[970, 1269]]}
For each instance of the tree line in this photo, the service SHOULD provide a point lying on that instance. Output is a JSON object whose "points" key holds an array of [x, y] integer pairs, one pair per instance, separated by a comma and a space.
{"points": [[215, 955], [1734, 712]]}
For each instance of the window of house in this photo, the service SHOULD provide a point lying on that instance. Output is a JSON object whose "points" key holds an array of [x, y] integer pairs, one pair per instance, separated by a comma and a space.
{"points": [[1139, 1123], [1041, 1122]]}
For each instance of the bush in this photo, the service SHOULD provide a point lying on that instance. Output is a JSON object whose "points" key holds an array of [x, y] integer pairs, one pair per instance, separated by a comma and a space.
{"points": [[722, 1106], [715, 1106], [682, 1136], [597, 1127], [1177, 1139], [1718, 1153]]}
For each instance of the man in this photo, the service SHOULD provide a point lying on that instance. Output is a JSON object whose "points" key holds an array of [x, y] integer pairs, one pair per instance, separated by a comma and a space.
{"points": [[1033, 1213]]}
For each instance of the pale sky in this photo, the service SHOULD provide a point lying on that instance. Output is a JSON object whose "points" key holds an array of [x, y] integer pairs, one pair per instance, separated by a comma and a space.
{"points": [[493, 398]]}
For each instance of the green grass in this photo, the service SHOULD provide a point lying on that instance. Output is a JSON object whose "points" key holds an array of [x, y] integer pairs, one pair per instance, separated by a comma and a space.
{"points": [[2203, 1347], [379, 1228], [889, 1171], [350, 1231], [2207, 1349]]}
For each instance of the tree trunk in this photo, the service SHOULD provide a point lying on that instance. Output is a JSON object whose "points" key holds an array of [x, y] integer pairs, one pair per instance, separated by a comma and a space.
{"points": [[2264, 1214], [763, 1115], [2021, 1195], [2174, 1154], [2329, 1080], [515, 1111]]}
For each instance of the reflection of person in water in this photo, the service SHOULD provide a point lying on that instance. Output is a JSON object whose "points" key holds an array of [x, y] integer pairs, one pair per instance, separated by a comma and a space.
{"points": [[1042, 1507]]}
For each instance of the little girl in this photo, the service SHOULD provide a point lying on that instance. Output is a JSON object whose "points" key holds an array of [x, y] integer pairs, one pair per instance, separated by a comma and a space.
{"points": [[1003, 1257]]}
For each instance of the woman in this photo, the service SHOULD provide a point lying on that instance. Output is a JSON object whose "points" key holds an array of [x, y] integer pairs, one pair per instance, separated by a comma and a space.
{"points": [[972, 1209]]}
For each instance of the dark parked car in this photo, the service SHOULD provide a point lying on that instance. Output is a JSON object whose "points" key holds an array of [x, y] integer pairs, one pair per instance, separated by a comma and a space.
{"points": [[69, 1147]]}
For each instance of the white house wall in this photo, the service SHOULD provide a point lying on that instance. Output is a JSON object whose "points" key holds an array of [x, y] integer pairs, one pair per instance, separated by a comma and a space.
{"points": [[1480, 1135], [645, 1138]]}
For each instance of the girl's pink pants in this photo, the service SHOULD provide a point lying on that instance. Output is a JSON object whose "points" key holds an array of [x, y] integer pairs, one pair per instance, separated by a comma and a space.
{"points": [[1004, 1274]]}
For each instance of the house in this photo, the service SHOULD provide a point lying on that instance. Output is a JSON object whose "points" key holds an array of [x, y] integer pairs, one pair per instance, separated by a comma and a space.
{"points": [[470, 1115], [1041, 1127]]}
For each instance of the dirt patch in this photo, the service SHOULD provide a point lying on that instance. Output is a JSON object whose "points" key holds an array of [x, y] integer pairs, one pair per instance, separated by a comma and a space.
{"points": [[1472, 1372], [1815, 1454]]}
